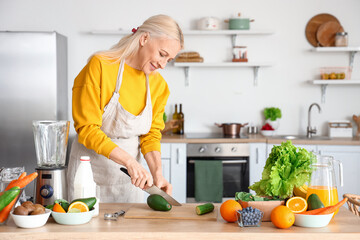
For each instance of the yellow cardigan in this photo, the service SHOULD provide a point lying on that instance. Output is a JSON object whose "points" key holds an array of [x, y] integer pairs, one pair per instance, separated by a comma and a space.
{"points": [[92, 90]]}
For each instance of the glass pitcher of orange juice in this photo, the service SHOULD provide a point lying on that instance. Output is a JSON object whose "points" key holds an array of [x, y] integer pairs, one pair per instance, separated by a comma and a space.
{"points": [[323, 180]]}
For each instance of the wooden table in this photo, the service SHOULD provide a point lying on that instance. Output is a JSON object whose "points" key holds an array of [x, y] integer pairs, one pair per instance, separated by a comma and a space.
{"points": [[344, 226]]}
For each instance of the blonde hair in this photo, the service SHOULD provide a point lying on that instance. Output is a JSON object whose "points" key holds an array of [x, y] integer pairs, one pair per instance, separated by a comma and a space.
{"points": [[156, 26]]}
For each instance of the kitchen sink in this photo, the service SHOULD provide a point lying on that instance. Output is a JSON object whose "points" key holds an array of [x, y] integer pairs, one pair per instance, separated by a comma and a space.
{"points": [[300, 137]]}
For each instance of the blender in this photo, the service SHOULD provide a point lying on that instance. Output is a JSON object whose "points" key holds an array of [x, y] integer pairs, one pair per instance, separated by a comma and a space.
{"points": [[51, 139]]}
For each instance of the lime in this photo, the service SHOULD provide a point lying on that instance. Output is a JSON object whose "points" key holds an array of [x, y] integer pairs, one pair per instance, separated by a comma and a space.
{"points": [[74, 210]]}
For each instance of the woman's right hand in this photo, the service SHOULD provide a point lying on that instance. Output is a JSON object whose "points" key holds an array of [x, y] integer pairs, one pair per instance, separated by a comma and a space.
{"points": [[139, 176]]}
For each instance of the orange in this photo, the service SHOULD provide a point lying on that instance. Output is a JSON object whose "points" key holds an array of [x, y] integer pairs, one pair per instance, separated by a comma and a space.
{"points": [[79, 205], [228, 210], [297, 204], [58, 208], [282, 217]]}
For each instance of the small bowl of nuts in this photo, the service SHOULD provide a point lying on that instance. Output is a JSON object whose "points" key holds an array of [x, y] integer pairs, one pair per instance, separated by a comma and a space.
{"points": [[29, 215]]}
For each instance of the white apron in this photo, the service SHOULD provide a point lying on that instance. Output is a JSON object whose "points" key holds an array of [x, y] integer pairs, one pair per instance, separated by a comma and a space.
{"points": [[124, 130]]}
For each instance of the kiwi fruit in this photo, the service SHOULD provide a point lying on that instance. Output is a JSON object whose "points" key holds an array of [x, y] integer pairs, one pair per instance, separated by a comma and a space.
{"points": [[29, 205], [38, 211], [21, 210]]}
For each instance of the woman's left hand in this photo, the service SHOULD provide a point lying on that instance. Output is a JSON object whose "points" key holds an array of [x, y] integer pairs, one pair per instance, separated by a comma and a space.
{"points": [[163, 184]]}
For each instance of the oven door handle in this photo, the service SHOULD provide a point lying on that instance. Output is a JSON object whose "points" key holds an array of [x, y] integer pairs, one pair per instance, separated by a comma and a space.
{"points": [[224, 161]]}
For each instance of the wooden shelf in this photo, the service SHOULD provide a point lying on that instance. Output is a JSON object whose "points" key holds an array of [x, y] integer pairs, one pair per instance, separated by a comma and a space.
{"points": [[255, 65], [336, 49]]}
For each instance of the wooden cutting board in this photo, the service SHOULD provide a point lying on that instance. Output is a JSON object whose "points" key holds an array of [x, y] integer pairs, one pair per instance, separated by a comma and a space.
{"points": [[184, 212], [326, 33], [313, 25]]}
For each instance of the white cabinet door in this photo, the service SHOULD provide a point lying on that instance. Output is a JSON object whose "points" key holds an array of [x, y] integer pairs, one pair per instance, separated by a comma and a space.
{"points": [[257, 162], [178, 171], [350, 158]]}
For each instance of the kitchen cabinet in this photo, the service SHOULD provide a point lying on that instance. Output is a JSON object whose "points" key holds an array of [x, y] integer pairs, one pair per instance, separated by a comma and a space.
{"points": [[173, 159], [350, 158], [257, 162], [324, 83]]}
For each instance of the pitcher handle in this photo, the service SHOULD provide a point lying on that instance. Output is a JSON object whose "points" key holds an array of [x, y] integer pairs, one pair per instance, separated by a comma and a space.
{"points": [[340, 172]]}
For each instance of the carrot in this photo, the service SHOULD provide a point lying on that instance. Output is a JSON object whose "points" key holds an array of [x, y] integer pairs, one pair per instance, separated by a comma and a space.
{"points": [[13, 182], [4, 214], [333, 207], [315, 211], [24, 181]]}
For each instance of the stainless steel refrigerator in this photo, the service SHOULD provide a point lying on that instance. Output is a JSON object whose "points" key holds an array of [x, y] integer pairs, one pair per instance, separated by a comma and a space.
{"points": [[33, 86]]}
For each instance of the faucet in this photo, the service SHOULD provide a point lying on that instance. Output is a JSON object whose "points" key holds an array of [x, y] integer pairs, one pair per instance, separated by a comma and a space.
{"points": [[311, 130]]}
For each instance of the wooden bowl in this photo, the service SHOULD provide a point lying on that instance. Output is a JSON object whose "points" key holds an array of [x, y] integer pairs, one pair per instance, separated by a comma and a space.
{"points": [[264, 206]]}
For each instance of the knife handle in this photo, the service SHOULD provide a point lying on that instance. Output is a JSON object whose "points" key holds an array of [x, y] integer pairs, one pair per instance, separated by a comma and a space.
{"points": [[124, 170]]}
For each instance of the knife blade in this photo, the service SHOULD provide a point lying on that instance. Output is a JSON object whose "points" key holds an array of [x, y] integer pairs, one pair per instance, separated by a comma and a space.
{"points": [[155, 190]]}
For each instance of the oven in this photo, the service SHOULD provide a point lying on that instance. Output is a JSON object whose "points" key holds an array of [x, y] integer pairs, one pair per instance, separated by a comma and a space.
{"points": [[235, 162]]}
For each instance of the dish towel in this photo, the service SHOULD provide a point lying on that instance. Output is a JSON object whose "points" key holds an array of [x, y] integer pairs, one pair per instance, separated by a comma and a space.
{"points": [[208, 181]]}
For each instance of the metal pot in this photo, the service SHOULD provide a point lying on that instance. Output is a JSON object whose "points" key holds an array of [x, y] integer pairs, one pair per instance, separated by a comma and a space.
{"points": [[231, 129], [237, 23]]}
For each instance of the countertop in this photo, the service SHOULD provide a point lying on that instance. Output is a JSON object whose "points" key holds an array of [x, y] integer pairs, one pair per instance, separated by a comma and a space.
{"points": [[344, 226], [258, 138]]}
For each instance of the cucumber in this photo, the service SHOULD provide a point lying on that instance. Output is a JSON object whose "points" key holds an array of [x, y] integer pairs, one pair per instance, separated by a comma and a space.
{"points": [[90, 202], [314, 202], [204, 208], [158, 203], [8, 196]]}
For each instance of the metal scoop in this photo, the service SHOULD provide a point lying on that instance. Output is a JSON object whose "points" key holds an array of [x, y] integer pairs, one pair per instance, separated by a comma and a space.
{"points": [[113, 216]]}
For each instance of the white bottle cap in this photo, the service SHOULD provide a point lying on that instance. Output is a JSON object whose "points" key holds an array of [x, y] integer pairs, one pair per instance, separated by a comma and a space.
{"points": [[84, 158]]}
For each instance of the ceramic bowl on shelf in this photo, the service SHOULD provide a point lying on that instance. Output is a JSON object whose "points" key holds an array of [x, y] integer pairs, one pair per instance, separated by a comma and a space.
{"points": [[267, 133], [31, 221], [312, 221], [72, 218]]}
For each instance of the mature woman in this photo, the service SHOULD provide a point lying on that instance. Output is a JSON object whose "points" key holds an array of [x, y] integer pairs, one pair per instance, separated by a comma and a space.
{"points": [[118, 104]]}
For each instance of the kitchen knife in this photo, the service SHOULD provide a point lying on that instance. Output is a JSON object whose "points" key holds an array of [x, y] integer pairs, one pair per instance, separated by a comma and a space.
{"points": [[155, 190]]}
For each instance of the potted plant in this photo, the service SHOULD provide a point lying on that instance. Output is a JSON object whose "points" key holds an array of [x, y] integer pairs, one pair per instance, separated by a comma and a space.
{"points": [[272, 116]]}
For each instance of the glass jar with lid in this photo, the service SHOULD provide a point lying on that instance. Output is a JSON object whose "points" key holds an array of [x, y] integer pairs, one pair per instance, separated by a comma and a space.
{"points": [[341, 39]]}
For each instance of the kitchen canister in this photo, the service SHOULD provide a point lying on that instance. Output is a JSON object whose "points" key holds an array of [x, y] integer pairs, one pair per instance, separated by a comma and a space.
{"points": [[209, 23], [239, 54]]}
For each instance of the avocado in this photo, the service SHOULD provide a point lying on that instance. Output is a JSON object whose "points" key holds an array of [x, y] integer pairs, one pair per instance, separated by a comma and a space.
{"points": [[90, 202], [158, 203], [314, 202]]}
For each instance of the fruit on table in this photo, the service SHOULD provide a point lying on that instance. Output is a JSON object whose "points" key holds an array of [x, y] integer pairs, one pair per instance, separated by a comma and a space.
{"points": [[90, 202], [267, 126], [7, 197], [57, 208], [204, 208], [300, 191], [79, 205], [158, 203], [282, 217], [314, 202], [297, 204], [28, 208], [228, 210], [251, 216]]}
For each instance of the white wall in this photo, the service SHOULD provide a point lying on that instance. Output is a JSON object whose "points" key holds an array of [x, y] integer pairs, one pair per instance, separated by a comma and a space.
{"points": [[216, 94]]}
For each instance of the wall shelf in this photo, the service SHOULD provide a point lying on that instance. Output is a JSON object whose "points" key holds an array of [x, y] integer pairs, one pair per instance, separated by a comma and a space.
{"points": [[188, 65], [325, 83]]}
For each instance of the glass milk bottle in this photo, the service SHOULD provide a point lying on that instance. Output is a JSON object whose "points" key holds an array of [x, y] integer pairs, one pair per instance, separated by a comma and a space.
{"points": [[84, 185]]}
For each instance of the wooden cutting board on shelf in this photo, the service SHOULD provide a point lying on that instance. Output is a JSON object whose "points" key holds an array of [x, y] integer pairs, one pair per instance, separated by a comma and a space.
{"points": [[184, 212], [326, 33], [313, 25]]}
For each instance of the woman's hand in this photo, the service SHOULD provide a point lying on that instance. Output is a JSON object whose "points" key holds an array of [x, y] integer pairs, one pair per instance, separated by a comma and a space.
{"points": [[139, 176], [163, 184]]}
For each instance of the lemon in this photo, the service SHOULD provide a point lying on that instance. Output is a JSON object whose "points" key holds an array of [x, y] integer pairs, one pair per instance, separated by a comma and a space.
{"points": [[74, 210], [300, 191]]}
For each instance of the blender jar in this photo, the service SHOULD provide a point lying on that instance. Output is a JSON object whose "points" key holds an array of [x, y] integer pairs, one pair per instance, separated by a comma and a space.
{"points": [[51, 138]]}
